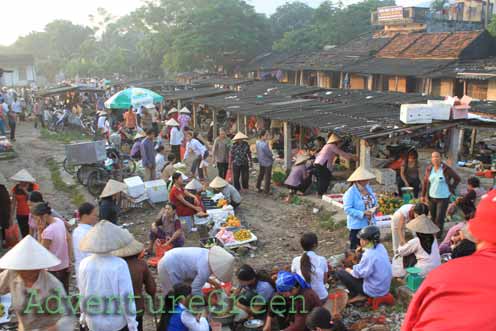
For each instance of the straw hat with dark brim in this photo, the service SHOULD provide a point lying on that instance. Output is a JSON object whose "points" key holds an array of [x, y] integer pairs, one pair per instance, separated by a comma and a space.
{"points": [[218, 182], [301, 159], [172, 111], [28, 254], [240, 136], [422, 224], [361, 174], [134, 248], [104, 238], [113, 187], [185, 110], [221, 263], [194, 185], [23, 176], [333, 139], [172, 122]]}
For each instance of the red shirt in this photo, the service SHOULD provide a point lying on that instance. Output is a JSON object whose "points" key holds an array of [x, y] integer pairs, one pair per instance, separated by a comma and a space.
{"points": [[181, 209], [458, 295], [22, 208]]}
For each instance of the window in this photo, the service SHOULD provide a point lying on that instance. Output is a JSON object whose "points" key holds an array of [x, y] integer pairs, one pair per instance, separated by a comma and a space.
{"points": [[23, 73]]}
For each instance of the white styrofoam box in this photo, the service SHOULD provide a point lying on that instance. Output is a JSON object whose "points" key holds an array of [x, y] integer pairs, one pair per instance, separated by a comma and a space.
{"points": [[156, 190], [135, 186], [385, 176], [441, 110], [460, 112], [416, 113], [334, 199]]}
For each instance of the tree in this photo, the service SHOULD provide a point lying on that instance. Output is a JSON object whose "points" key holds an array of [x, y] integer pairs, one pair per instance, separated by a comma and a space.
{"points": [[492, 26], [289, 17]]}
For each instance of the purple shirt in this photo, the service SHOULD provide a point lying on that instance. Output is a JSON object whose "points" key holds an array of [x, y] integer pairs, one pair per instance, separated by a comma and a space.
{"points": [[147, 153], [184, 121], [445, 246], [328, 153], [297, 175]]}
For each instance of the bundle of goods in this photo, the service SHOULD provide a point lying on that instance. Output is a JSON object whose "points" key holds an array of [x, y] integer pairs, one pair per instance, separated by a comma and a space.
{"points": [[232, 222]]}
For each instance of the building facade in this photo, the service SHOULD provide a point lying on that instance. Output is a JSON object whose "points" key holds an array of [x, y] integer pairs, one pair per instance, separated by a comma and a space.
{"points": [[22, 70]]}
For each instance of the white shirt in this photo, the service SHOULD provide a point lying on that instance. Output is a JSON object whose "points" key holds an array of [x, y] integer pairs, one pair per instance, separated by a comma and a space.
{"points": [[101, 122], [176, 136], [405, 211], [426, 262], [190, 321], [106, 276], [196, 147], [77, 235], [183, 264], [319, 268], [159, 164]]}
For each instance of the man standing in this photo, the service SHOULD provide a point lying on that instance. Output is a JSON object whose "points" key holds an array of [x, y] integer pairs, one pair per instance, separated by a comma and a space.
{"points": [[130, 120], [12, 117], [38, 114], [147, 150], [176, 138], [3, 119], [265, 159]]}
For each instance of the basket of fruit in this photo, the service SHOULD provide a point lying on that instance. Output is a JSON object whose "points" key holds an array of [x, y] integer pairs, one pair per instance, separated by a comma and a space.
{"points": [[388, 205], [222, 203], [241, 237], [232, 222]]}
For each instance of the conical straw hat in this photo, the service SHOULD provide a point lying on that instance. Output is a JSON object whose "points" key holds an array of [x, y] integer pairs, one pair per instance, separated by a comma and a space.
{"points": [[301, 159], [361, 174], [240, 136], [172, 111], [139, 134], [185, 110], [218, 182], [333, 138], [172, 122], [134, 248], [113, 187], [104, 238], [28, 254], [194, 185], [23, 176], [422, 224], [221, 263]]}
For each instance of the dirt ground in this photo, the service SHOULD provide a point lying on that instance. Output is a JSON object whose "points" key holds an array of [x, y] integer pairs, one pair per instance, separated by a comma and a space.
{"points": [[277, 225]]}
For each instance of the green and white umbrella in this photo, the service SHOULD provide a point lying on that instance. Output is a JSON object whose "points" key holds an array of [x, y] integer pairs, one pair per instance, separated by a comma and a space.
{"points": [[134, 96]]}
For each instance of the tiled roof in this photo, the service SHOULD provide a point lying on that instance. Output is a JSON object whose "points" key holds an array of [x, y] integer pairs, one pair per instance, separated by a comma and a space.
{"points": [[441, 45]]}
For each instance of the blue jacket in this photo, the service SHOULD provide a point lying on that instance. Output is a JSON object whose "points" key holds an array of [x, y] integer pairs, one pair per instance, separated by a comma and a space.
{"points": [[175, 323], [354, 207], [375, 270], [264, 154]]}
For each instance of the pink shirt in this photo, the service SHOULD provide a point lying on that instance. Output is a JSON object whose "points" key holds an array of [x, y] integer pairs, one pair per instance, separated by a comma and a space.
{"points": [[328, 153], [57, 233]]}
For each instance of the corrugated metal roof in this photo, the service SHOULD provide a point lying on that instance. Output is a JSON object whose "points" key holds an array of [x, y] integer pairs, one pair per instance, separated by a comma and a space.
{"points": [[402, 67], [194, 93]]}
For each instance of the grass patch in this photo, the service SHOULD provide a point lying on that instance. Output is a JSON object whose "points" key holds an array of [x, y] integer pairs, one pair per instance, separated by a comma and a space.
{"points": [[65, 137], [328, 222], [77, 198]]}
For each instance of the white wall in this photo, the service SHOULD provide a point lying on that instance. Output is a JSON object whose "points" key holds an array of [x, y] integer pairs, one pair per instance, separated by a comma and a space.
{"points": [[13, 78]]}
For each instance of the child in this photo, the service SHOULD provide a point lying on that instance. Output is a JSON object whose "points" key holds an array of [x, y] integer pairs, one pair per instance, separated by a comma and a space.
{"points": [[467, 202]]}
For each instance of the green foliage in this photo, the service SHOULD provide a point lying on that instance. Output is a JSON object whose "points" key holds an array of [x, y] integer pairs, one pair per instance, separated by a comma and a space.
{"points": [[328, 222], [64, 137], [291, 16], [492, 26], [278, 177]]}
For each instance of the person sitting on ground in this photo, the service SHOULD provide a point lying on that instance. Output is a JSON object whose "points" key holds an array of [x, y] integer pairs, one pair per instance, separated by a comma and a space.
{"points": [[55, 237], [292, 285], [169, 169], [197, 265], [34, 198], [24, 270], [109, 210], [320, 319], [372, 276], [423, 247], [464, 245], [141, 276], [467, 202], [312, 267], [232, 195], [252, 284], [178, 316], [459, 295], [167, 228], [299, 179], [401, 217], [184, 209]]}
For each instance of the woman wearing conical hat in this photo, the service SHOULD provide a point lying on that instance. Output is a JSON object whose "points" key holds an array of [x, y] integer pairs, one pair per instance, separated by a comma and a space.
{"points": [[299, 178], [109, 210], [25, 184], [24, 269], [359, 202], [240, 161], [325, 160]]}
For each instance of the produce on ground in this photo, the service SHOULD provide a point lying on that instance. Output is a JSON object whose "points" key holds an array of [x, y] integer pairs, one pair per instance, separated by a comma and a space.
{"points": [[242, 235], [222, 203], [388, 205], [232, 221]]}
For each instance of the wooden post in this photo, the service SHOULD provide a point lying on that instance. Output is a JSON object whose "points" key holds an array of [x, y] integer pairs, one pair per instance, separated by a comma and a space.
{"points": [[179, 105], [473, 139], [464, 87], [302, 78], [296, 77], [193, 113], [245, 120], [214, 120], [287, 145], [395, 83], [341, 80], [238, 122], [454, 146], [364, 154], [370, 82]]}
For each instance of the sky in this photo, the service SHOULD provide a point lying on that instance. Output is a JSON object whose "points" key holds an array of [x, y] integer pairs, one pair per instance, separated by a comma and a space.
{"points": [[24, 16]]}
